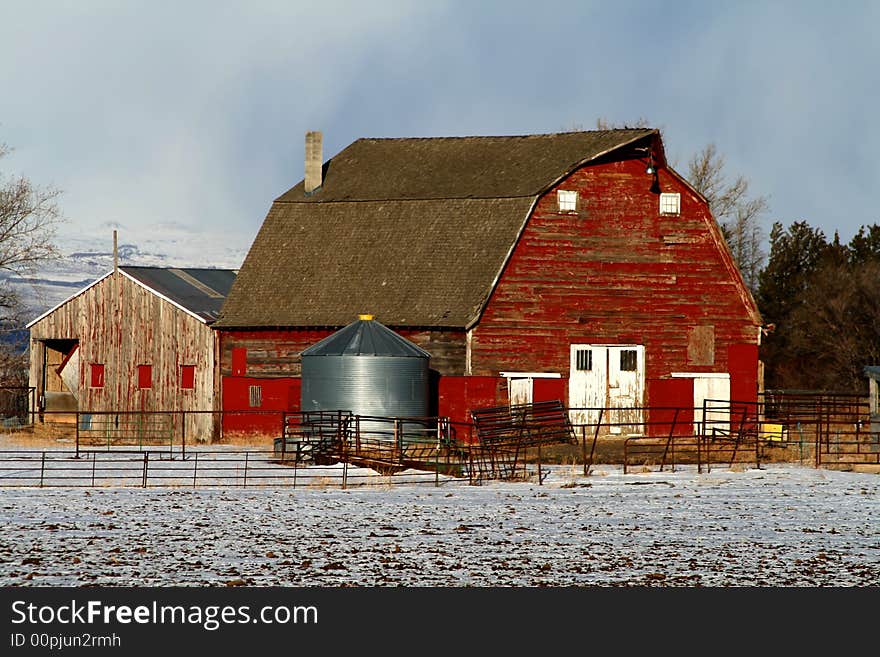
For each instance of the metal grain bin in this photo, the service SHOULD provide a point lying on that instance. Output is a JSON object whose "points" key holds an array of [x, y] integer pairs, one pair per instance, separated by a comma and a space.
{"points": [[370, 370]]}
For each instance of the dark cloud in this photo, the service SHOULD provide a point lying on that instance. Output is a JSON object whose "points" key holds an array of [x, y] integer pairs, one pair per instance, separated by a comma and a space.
{"points": [[193, 114]]}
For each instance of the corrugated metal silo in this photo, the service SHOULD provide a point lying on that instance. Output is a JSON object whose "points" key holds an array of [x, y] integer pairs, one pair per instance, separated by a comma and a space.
{"points": [[368, 369]]}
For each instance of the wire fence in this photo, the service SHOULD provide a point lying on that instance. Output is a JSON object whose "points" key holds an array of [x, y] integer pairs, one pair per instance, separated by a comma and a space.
{"points": [[340, 448], [197, 469]]}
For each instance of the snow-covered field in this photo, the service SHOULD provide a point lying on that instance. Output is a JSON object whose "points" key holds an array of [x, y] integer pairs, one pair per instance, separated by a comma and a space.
{"points": [[783, 525]]}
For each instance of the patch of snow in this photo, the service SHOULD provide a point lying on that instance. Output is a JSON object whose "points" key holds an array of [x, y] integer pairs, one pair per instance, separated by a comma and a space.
{"points": [[781, 525]]}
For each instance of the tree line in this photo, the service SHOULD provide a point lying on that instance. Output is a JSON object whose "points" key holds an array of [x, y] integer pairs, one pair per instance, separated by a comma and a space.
{"points": [[819, 298]]}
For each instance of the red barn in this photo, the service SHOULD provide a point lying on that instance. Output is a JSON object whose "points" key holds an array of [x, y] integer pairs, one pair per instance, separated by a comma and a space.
{"points": [[575, 265]]}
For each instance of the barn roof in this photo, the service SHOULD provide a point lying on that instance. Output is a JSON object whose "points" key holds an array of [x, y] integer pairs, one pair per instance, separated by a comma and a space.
{"points": [[199, 292], [456, 167], [415, 231]]}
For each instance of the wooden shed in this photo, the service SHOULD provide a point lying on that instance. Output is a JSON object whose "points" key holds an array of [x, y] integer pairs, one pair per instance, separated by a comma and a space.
{"points": [[135, 341], [575, 265]]}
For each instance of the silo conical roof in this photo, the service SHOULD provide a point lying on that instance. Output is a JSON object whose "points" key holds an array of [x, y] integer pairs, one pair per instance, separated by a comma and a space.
{"points": [[366, 337]]}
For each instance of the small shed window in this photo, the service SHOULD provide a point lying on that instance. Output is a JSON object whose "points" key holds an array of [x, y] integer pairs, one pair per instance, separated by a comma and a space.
{"points": [[567, 200], [97, 375], [584, 360], [256, 396], [628, 360], [670, 203], [187, 377], [145, 376]]}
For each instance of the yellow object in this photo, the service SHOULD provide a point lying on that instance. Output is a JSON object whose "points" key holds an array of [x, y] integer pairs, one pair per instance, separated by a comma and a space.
{"points": [[367, 317], [772, 432]]}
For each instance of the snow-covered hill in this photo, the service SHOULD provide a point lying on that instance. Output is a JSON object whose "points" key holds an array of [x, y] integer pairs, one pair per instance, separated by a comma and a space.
{"points": [[85, 260]]}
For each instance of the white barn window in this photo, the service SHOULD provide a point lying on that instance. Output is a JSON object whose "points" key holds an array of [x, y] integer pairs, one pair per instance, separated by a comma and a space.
{"points": [[567, 200], [670, 203]]}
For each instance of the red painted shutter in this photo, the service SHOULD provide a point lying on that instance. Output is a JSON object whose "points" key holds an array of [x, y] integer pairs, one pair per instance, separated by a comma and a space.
{"points": [[187, 377], [97, 375], [145, 376]]}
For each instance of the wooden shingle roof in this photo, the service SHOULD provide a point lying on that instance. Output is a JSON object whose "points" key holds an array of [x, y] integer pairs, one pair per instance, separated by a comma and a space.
{"points": [[414, 231]]}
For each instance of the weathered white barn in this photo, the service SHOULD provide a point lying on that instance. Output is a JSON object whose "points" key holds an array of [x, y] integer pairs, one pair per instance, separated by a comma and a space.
{"points": [[137, 341]]}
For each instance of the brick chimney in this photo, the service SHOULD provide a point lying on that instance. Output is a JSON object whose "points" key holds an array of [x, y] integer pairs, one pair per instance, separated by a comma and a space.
{"points": [[314, 161]]}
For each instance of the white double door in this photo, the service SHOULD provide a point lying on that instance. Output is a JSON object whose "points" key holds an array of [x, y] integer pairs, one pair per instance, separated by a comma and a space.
{"points": [[607, 380]]}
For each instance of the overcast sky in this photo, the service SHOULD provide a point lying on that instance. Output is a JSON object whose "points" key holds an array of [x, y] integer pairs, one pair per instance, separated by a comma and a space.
{"points": [[188, 118]]}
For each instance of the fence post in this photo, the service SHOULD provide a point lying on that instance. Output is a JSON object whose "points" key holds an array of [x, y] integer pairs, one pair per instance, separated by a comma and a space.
{"points": [[437, 454], [195, 468], [93, 468], [699, 455], [42, 468], [146, 464], [244, 482], [183, 435], [540, 478], [858, 438], [595, 438], [757, 447], [584, 447], [77, 434]]}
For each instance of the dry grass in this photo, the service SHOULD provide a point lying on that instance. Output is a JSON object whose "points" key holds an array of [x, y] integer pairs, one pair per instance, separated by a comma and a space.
{"points": [[608, 450], [39, 435], [247, 440]]}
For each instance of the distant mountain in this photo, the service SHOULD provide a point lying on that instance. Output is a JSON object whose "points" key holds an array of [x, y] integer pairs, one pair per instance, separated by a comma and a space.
{"points": [[86, 261]]}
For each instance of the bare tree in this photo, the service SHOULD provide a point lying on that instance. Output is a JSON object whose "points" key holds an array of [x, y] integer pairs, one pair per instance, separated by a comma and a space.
{"points": [[738, 214], [604, 124], [29, 216]]}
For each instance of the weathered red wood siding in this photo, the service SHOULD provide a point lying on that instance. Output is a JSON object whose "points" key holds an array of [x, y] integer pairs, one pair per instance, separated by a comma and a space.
{"points": [[271, 358], [458, 395], [278, 396], [276, 352], [616, 271]]}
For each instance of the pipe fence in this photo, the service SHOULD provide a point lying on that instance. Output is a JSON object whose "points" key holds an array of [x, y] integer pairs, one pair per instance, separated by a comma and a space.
{"points": [[826, 430], [197, 469]]}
